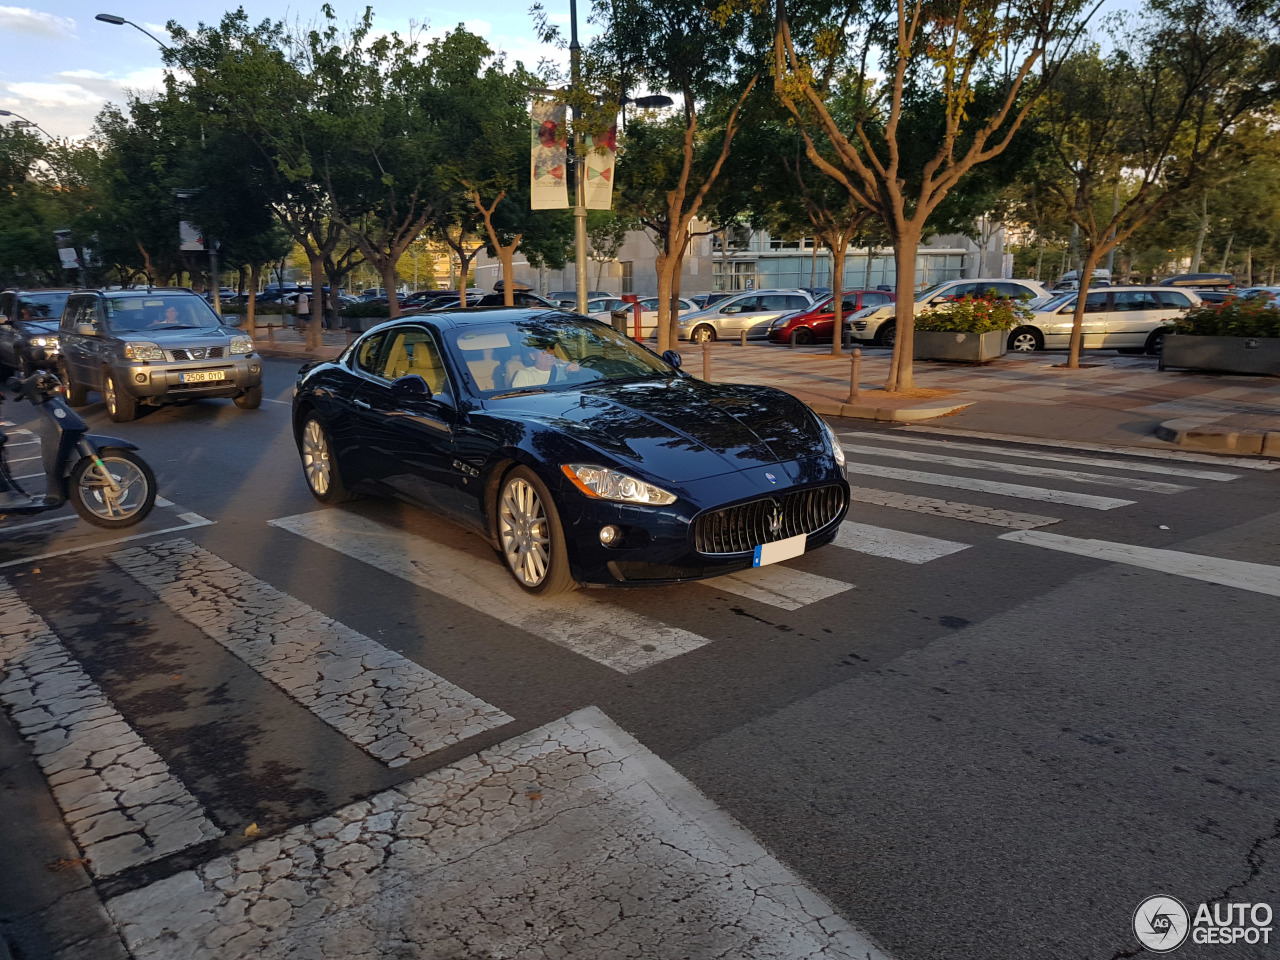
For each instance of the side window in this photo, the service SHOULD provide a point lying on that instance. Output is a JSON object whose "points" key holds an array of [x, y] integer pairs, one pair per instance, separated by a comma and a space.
{"points": [[71, 316], [1171, 298], [875, 299], [366, 357], [961, 290], [1015, 291], [796, 303], [741, 305], [413, 351], [1096, 303], [6, 306], [777, 302]]}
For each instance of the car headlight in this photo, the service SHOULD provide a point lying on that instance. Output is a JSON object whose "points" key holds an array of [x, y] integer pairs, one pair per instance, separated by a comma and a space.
{"points": [[49, 343], [605, 484], [836, 450], [140, 350], [241, 345]]}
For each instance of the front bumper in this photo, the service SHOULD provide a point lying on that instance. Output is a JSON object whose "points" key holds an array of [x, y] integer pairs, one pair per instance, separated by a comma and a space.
{"points": [[657, 546], [164, 380]]}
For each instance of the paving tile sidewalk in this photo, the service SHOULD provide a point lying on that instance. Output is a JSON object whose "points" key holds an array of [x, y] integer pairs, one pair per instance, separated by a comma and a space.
{"points": [[1115, 399]]}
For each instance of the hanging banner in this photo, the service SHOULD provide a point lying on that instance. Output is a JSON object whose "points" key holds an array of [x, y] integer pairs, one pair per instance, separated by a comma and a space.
{"points": [[67, 255], [190, 236], [601, 158], [550, 161]]}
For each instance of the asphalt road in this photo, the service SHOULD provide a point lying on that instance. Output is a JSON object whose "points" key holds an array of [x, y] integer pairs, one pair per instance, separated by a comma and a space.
{"points": [[973, 739]]}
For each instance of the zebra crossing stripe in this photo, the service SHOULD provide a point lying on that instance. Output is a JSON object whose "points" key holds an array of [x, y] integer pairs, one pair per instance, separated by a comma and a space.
{"points": [[1163, 469], [931, 506], [894, 544], [121, 802], [609, 635], [1017, 490], [1255, 577], [779, 586], [1020, 469], [389, 706]]}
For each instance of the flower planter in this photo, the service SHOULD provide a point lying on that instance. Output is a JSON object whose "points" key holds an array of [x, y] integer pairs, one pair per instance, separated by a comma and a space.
{"points": [[361, 324], [1222, 354], [962, 347]]}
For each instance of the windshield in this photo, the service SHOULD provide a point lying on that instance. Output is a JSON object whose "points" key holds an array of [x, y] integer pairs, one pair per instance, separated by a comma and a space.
{"points": [[159, 312], [548, 353], [41, 306]]}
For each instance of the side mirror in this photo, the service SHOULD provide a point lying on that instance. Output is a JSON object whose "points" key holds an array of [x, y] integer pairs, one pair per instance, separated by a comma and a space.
{"points": [[672, 358], [86, 330], [410, 387]]}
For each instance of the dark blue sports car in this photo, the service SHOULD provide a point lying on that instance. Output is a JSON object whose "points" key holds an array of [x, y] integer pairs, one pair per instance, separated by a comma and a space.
{"points": [[581, 456]]}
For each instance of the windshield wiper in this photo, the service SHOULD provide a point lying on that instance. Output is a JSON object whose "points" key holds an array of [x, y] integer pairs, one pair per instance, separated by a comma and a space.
{"points": [[519, 393]]}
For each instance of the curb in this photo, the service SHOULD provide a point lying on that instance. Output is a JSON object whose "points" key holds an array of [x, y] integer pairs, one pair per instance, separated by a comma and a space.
{"points": [[1192, 433], [858, 411]]}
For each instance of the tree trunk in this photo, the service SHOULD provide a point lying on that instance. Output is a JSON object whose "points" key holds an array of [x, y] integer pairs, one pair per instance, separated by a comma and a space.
{"points": [[1201, 233], [668, 330], [838, 253], [1226, 253], [251, 313], [813, 265], [901, 370], [1077, 319], [315, 336], [387, 270], [1248, 266], [1039, 258]]}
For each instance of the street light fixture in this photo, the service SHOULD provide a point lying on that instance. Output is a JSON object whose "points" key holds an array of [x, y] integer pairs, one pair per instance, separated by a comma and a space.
{"points": [[25, 122], [116, 21]]}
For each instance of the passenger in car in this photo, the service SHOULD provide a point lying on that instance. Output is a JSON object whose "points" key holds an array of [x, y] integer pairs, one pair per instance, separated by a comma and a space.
{"points": [[540, 364]]}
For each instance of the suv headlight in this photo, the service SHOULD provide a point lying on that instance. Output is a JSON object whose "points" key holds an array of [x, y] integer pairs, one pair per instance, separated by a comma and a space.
{"points": [[50, 343], [836, 450], [140, 350], [241, 345], [604, 484]]}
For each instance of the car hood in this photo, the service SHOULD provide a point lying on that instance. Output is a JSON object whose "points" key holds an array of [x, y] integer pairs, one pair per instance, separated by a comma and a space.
{"points": [[678, 429], [184, 336]]}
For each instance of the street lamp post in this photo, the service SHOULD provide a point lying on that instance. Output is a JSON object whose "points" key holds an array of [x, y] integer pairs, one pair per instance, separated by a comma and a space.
{"points": [[214, 280], [25, 122], [580, 169]]}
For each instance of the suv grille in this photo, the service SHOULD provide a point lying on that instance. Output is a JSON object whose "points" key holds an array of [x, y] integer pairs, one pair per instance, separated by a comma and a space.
{"points": [[746, 526], [201, 353]]}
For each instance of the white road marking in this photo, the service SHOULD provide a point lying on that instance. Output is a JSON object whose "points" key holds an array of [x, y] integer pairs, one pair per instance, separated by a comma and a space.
{"points": [[13, 460], [193, 520], [894, 544], [18, 528], [1186, 456], [283, 403], [1255, 577], [120, 800], [575, 825], [609, 635], [29, 476], [389, 706], [933, 507], [1018, 469], [779, 586], [1162, 469], [1018, 490], [162, 502]]}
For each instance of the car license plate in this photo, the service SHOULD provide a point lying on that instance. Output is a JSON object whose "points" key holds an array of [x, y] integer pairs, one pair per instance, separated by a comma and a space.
{"points": [[203, 376], [779, 550]]}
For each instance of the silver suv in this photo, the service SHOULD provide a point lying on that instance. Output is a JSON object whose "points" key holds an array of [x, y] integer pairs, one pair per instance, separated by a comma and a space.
{"points": [[751, 310], [147, 347], [878, 324]]}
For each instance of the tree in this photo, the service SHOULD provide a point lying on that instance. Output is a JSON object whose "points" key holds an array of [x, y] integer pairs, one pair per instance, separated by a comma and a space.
{"points": [[1168, 103], [958, 82], [606, 233]]}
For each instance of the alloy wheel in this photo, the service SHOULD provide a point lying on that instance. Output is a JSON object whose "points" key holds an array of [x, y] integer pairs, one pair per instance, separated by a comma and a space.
{"points": [[109, 394], [525, 534], [1023, 343], [128, 496], [315, 458]]}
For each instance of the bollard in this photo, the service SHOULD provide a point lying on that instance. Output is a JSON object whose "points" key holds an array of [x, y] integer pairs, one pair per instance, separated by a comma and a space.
{"points": [[742, 339], [706, 360], [855, 374], [271, 333], [792, 340]]}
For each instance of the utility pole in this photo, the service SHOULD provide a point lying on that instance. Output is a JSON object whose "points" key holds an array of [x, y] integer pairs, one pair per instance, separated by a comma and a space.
{"points": [[579, 168]]}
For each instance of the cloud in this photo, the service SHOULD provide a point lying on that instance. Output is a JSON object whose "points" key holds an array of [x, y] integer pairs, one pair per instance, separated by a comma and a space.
{"points": [[67, 104], [36, 23]]}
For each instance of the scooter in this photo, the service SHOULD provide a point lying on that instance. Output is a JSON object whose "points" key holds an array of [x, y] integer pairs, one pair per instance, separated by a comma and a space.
{"points": [[107, 483]]}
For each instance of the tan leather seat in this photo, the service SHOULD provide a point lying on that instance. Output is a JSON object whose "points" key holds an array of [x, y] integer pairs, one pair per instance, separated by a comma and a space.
{"points": [[397, 361], [426, 364]]}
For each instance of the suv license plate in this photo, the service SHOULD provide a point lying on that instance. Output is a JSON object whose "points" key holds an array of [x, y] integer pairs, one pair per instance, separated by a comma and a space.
{"points": [[204, 376]]}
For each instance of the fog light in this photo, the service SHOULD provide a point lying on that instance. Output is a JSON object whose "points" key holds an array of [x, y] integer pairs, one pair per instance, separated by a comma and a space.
{"points": [[255, 369], [608, 534], [140, 377]]}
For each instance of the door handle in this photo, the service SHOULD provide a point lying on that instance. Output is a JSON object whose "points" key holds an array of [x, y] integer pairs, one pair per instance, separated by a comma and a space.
{"points": [[361, 404]]}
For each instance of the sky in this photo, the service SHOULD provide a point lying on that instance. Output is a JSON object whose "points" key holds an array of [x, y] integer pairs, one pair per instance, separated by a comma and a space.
{"points": [[59, 66]]}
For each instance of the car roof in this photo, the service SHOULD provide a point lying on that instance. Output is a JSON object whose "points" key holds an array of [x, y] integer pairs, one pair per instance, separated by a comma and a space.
{"points": [[24, 291], [463, 316]]}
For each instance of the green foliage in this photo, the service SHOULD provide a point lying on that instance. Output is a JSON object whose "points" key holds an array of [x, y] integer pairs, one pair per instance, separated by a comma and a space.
{"points": [[974, 315], [364, 310], [1234, 318]]}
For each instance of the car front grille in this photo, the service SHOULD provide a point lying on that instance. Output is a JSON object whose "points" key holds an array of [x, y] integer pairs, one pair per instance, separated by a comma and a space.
{"points": [[744, 527], [859, 324], [201, 353]]}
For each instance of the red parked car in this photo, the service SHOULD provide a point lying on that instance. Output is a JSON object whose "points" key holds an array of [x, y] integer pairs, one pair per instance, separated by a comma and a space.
{"points": [[814, 325]]}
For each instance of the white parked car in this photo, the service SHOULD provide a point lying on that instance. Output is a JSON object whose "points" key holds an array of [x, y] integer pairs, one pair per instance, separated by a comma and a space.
{"points": [[877, 324], [1131, 319], [751, 310], [1270, 294]]}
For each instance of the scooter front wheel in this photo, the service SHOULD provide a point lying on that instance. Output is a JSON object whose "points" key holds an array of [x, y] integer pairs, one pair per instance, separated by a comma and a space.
{"points": [[105, 503]]}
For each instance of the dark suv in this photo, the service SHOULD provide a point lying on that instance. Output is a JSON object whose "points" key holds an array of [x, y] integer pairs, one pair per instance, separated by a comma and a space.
{"points": [[153, 346], [29, 320]]}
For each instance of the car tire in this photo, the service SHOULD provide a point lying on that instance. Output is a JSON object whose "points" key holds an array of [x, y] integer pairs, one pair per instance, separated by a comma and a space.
{"points": [[77, 394], [1025, 340], [530, 537], [703, 334], [121, 407], [887, 335], [804, 337], [251, 399], [320, 465], [1155, 343]]}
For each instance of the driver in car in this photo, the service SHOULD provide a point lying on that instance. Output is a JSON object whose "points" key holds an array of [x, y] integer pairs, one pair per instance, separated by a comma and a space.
{"points": [[542, 366]]}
